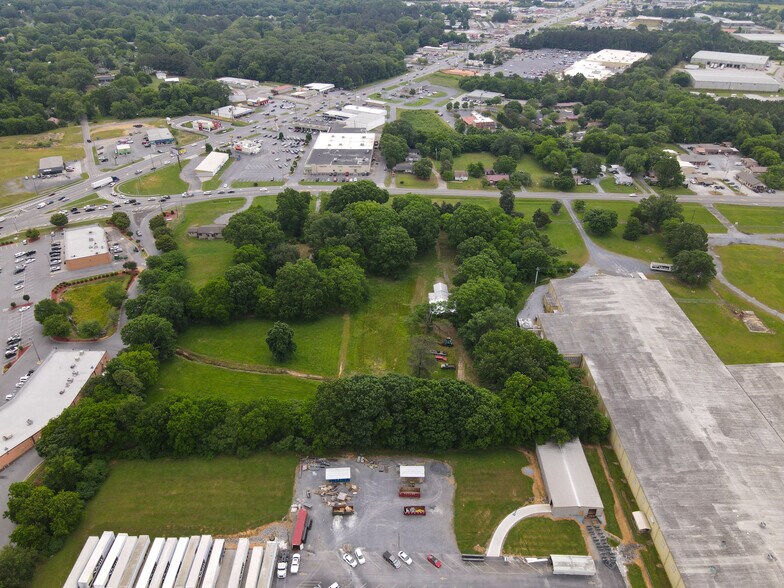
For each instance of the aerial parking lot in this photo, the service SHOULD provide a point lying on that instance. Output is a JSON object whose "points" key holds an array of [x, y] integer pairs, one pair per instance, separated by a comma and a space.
{"points": [[538, 63]]}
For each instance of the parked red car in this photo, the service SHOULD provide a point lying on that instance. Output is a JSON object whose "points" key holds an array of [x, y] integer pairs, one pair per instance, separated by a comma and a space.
{"points": [[434, 560]]}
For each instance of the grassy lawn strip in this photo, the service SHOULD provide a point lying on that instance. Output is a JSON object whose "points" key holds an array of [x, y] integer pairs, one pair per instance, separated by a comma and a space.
{"points": [[186, 138], [89, 199], [206, 259], [441, 79], [543, 536], [223, 495], [414, 183], [419, 102], [88, 301], [608, 500], [634, 573], [259, 184], [426, 121], [196, 380], [609, 185], [754, 219], [318, 343], [215, 182], [757, 270], [486, 158], [165, 180], [489, 485], [469, 184]]}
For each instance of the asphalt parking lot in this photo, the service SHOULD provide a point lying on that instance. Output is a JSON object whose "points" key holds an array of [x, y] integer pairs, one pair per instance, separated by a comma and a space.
{"points": [[537, 63]]}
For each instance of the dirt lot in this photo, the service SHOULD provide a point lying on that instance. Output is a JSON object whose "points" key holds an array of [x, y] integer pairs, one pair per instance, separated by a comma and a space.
{"points": [[379, 523]]}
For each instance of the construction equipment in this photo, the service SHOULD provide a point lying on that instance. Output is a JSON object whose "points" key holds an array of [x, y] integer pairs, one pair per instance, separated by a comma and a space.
{"points": [[414, 511]]}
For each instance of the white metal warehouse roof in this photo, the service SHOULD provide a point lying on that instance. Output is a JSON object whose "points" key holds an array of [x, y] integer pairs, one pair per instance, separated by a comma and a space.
{"points": [[573, 565], [721, 56], [338, 474], [412, 471], [213, 162], [567, 475], [731, 75]]}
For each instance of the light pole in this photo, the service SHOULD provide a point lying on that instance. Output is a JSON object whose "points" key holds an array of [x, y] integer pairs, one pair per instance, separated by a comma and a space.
{"points": [[536, 279]]}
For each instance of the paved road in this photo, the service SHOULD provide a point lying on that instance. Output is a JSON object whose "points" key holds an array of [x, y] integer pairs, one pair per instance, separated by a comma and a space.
{"points": [[16, 472]]}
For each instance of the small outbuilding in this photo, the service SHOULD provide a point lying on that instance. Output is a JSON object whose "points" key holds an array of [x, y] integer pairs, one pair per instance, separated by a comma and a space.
{"points": [[568, 480], [573, 565], [48, 166], [208, 232], [414, 474], [336, 475]]}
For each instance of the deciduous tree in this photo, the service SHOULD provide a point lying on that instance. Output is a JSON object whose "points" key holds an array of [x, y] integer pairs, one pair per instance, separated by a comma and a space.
{"points": [[280, 340]]}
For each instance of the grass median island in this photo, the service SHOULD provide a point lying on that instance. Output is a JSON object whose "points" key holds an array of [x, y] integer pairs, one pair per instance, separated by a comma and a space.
{"points": [[206, 259], [754, 219], [222, 495], [215, 182], [195, 380], [441, 79], [488, 486], [540, 536], [89, 303], [757, 270], [256, 184], [561, 231], [164, 180], [318, 343], [89, 199]]}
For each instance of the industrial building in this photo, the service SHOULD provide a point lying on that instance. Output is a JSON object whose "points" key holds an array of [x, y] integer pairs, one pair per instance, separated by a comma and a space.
{"points": [[775, 38], [341, 153], [358, 117], [480, 121], [568, 480], [231, 111], [49, 166], [701, 444], [605, 63], [480, 96], [159, 136], [320, 88], [54, 386], [721, 59], [86, 247], [211, 165], [730, 79], [238, 82]]}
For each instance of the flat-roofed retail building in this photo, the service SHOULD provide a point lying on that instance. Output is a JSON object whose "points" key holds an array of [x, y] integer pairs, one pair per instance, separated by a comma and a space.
{"points": [[732, 60], [211, 165], [341, 153], [52, 388], [86, 247], [48, 166], [703, 457], [732, 79]]}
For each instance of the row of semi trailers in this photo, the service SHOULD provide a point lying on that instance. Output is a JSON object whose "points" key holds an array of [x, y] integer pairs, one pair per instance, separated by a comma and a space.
{"points": [[124, 561]]}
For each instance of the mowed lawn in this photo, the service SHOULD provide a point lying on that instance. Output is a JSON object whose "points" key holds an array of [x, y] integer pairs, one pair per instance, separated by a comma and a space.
{"points": [[603, 485], [608, 185], [539, 536], [486, 158], [215, 182], [165, 180], [757, 270], [170, 498], [754, 219], [713, 310], [244, 341], [206, 259], [489, 485], [426, 121], [562, 232], [411, 182], [20, 155], [88, 301], [196, 380]]}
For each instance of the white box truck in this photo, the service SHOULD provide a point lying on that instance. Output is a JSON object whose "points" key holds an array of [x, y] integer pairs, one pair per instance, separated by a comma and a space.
{"points": [[176, 562], [131, 559], [163, 562], [102, 182], [268, 565]]}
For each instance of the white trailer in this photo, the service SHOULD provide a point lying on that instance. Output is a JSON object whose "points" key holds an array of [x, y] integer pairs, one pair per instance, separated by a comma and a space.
{"points": [[135, 558], [176, 562], [96, 559], [101, 183], [268, 566], [199, 562], [81, 562], [107, 567], [254, 567], [122, 562], [187, 561], [214, 564], [238, 567], [150, 563], [163, 562]]}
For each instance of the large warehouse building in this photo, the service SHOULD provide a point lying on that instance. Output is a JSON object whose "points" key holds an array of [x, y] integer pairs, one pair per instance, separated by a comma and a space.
{"points": [[358, 117], [86, 247], [731, 60], [48, 166], [341, 153], [211, 165], [160, 136], [53, 387], [701, 444], [729, 79], [605, 63]]}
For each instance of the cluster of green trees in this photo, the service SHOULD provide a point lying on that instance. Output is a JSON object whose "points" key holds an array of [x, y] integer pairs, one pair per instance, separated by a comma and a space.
{"points": [[56, 319], [161, 232]]}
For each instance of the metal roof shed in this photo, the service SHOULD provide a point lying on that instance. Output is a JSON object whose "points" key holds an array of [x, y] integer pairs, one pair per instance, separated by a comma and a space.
{"points": [[568, 480], [338, 474], [412, 472], [573, 565]]}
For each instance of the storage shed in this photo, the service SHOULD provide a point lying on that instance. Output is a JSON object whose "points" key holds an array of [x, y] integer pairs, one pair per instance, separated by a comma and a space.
{"points": [[338, 474], [412, 473], [568, 480]]}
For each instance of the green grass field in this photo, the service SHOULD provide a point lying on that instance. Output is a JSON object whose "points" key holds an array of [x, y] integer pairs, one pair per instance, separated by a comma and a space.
{"points": [[530, 165], [442, 79], [603, 485], [185, 138], [240, 184], [538, 536], [609, 185], [485, 158], [634, 573], [165, 180], [426, 121], [223, 495], [419, 102], [469, 184], [84, 201], [206, 259], [414, 183], [215, 182], [562, 232], [754, 219], [714, 312], [318, 343], [89, 303], [187, 378], [489, 485], [20, 155], [756, 270]]}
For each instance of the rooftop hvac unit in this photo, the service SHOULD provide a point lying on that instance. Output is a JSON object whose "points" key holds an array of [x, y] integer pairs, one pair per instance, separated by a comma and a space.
{"points": [[81, 352], [77, 359], [29, 421], [62, 391], [76, 373], [73, 365]]}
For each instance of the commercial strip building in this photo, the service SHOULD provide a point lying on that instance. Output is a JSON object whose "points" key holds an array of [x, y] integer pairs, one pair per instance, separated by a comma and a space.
{"points": [[320, 88], [341, 153], [479, 96], [732, 60], [48, 166], [732, 79], [358, 117], [211, 165], [568, 480], [86, 247], [231, 111], [52, 388], [479, 121], [160, 136], [703, 459], [605, 63]]}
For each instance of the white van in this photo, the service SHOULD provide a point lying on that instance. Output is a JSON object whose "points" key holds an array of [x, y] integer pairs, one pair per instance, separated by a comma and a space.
{"points": [[41, 204], [9, 396]]}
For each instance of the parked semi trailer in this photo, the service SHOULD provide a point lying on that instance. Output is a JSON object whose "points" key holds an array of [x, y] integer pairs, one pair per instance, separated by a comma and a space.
{"points": [[81, 562]]}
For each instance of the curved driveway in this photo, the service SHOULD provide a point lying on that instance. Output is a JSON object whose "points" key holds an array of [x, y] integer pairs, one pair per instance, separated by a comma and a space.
{"points": [[500, 533]]}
